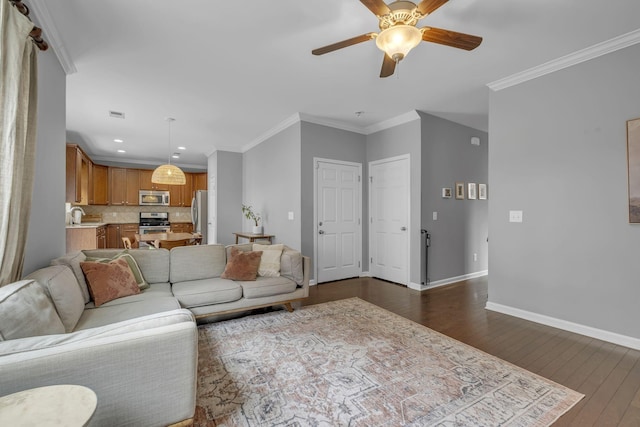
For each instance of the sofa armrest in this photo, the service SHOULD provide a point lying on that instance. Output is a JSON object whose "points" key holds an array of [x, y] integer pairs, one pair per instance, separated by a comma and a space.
{"points": [[141, 377]]}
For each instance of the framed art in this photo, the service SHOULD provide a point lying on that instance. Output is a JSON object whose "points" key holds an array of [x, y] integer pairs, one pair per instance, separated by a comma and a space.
{"points": [[460, 190], [446, 193], [471, 191], [633, 169], [482, 191]]}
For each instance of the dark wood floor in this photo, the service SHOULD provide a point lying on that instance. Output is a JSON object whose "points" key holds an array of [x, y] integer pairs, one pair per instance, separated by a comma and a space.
{"points": [[607, 374]]}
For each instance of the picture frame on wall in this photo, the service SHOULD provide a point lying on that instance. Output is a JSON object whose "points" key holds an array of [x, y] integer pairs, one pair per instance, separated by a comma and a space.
{"points": [[460, 190], [482, 191], [633, 169], [471, 191], [446, 193]]}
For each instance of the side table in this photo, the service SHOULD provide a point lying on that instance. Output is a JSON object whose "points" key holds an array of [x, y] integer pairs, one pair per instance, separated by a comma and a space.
{"points": [[56, 405], [252, 237]]}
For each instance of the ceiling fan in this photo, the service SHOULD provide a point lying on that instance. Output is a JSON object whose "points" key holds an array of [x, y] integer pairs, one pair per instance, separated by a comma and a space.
{"points": [[399, 34]]}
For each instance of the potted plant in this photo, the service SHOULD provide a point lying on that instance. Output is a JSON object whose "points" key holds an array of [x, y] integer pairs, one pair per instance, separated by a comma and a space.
{"points": [[248, 212]]}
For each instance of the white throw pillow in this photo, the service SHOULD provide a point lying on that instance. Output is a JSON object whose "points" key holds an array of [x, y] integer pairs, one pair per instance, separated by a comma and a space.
{"points": [[270, 261]]}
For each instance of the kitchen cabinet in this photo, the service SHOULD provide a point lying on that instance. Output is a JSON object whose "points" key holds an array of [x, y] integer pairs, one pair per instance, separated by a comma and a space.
{"points": [[180, 195], [199, 181], [78, 167], [101, 237], [123, 186], [115, 233], [146, 184], [99, 178], [181, 227]]}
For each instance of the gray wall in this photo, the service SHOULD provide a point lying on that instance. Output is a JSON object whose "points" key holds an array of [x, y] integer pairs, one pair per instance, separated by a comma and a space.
{"points": [[46, 235], [462, 225], [271, 184], [395, 141], [558, 152], [226, 169], [335, 144]]}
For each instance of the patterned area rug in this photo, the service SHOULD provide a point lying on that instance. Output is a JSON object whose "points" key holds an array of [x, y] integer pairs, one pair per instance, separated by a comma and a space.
{"points": [[351, 363]]}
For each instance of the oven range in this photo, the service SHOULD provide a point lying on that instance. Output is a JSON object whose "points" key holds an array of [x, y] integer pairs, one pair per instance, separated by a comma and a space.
{"points": [[154, 222]]}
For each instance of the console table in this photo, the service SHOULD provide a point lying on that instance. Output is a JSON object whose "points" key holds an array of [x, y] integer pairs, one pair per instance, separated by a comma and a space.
{"points": [[252, 237], [56, 405]]}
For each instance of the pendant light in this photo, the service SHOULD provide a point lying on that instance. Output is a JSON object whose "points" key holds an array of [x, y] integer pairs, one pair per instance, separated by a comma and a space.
{"points": [[168, 174]]}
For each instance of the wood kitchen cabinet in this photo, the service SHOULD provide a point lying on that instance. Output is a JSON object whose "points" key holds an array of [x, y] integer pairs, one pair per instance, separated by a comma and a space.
{"points": [[199, 181], [180, 195], [146, 184], [123, 186], [78, 166], [115, 233], [86, 238], [99, 184], [101, 237]]}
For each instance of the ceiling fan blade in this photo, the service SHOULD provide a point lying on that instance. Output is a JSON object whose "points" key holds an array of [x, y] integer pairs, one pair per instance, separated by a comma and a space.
{"points": [[426, 7], [378, 7], [450, 38], [343, 43], [388, 66]]}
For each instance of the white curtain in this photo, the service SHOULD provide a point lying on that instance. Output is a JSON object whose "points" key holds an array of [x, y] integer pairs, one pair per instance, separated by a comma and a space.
{"points": [[18, 106]]}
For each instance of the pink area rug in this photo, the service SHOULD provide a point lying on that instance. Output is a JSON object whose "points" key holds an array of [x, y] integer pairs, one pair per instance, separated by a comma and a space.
{"points": [[351, 363]]}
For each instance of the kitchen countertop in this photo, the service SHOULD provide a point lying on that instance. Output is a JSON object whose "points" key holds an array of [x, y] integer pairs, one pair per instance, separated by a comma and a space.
{"points": [[87, 225]]}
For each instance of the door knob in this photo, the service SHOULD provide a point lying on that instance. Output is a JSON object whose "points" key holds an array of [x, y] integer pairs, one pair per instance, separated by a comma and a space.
{"points": [[403, 228], [321, 232]]}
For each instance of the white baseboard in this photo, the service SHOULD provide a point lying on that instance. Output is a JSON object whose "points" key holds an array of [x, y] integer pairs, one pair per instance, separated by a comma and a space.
{"points": [[447, 281], [577, 328], [312, 282], [365, 274]]}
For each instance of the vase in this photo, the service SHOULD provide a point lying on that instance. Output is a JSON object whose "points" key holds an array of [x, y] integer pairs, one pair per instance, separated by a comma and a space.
{"points": [[257, 229]]}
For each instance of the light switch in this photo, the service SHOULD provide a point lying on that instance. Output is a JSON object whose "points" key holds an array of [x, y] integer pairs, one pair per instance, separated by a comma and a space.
{"points": [[290, 216], [515, 216], [435, 216]]}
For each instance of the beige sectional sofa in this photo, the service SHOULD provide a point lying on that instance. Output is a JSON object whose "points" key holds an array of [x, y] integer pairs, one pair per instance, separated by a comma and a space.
{"points": [[139, 352]]}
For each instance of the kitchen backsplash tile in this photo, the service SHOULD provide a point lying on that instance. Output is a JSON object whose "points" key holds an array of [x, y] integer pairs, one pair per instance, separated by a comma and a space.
{"points": [[131, 214]]}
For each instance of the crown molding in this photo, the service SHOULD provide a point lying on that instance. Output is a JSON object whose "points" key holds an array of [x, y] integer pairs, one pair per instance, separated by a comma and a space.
{"points": [[392, 122], [331, 123], [51, 35], [295, 118], [223, 148], [600, 49]]}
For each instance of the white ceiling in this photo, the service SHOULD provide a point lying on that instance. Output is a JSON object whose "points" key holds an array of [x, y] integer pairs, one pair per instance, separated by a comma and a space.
{"points": [[229, 71]]}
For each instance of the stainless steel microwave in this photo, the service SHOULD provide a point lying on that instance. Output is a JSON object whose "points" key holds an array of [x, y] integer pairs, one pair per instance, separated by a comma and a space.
{"points": [[153, 198]]}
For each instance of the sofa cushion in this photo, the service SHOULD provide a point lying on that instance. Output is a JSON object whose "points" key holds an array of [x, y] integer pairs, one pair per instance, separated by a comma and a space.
{"points": [[133, 265], [291, 265], [242, 265], [267, 286], [108, 281], [270, 262], [61, 285], [107, 314], [73, 260], [206, 292], [154, 291], [153, 264], [197, 262], [27, 311]]}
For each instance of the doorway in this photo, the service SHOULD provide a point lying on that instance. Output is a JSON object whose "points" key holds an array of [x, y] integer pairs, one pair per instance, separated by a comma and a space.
{"points": [[337, 219], [389, 207]]}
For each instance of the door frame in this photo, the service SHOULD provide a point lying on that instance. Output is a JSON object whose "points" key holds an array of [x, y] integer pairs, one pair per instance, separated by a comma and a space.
{"points": [[316, 166], [406, 157]]}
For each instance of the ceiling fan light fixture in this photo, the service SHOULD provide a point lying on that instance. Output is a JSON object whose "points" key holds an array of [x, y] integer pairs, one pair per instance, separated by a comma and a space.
{"points": [[169, 174], [398, 40]]}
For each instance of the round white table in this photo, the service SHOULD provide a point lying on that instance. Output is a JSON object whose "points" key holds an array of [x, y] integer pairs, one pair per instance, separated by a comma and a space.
{"points": [[56, 405]]}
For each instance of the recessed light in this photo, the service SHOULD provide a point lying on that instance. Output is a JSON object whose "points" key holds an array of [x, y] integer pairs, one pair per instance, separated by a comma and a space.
{"points": [[118, 140], [182, 148], [121, 151], [176, 155]]}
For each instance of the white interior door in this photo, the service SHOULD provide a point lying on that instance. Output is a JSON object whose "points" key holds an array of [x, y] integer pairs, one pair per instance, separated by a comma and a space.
{"points": [[338, 220], [389, 222]]}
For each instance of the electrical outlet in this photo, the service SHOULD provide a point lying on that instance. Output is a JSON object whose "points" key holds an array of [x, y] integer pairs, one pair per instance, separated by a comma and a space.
{"points": [[515, 216], [177, 213], [290, 216]]}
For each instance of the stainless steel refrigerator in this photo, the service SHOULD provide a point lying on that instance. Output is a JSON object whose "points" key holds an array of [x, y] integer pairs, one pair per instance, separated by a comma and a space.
{"points": [[199, 214]]}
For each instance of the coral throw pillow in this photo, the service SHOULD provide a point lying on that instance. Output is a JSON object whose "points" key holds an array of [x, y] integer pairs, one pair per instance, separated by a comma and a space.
{"points": [[242, 265], [109, 281]]}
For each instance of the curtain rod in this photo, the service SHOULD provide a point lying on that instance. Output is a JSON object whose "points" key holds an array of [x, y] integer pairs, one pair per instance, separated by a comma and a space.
{"points": [[36, 33]]}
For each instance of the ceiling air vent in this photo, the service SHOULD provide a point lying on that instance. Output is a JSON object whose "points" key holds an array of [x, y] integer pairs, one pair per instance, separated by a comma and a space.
{"points": [[116, 114]]}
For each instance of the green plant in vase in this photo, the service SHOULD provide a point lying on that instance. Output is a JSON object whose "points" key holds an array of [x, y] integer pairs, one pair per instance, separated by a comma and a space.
{"points": [[248, 213]]}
